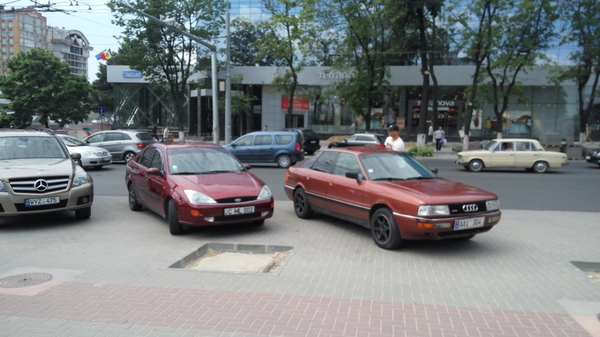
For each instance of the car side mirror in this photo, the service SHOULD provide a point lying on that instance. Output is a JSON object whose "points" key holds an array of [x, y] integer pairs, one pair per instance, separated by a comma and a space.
{"points": [[76, 156], [247, 166], [153, 171], [435, 171], [354, 175]]}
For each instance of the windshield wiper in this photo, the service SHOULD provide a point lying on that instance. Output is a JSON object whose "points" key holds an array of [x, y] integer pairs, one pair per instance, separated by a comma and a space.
{"points": [[388, 179]]}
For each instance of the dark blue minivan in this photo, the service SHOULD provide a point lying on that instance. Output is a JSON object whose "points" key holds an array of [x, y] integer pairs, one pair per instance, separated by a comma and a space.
{"points": [[281, 147]]}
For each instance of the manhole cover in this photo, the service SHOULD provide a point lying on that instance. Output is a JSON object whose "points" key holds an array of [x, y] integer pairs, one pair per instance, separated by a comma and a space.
{"points": [[24, 280]]}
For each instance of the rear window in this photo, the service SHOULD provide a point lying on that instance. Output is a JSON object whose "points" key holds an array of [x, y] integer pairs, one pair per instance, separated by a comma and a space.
{"points": [[144, 136], [283, 139], [310, 134]]}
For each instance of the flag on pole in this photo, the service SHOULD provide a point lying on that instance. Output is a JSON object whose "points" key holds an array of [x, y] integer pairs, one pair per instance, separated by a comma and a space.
{"points": [[104, 55]]}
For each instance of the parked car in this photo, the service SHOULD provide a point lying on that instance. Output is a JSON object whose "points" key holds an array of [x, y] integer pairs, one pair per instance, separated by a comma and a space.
{"points": [[593, 157], [196, 184], [361, 139], [122, 144], [311, 141], [281, 147], [92, 157], [512, 153], [391, 193], [38, 175]]}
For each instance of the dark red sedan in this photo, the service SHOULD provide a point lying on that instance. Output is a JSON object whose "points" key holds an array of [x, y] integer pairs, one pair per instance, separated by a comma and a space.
{"points": [[196, 184], [391, 193]]}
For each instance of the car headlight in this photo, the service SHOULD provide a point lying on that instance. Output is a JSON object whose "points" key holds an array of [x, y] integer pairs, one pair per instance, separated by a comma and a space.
{"points": [[2, 187], [492, 205], [196, 197], [80, 178], [265, 193], [88, 154], [428, 210]]}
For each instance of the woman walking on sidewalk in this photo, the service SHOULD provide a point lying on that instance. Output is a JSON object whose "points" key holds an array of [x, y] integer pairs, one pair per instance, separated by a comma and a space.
{"points": [[439, 137]]}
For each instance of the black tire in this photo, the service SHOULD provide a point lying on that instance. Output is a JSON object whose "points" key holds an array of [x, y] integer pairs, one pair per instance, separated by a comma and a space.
{"points": [[301, 205], [332, 146], [128, 156], [83, 213], [134, 205], [174, 226], [540, 167], [384, 229], [310, 152], [475, 165], [284, 161]]}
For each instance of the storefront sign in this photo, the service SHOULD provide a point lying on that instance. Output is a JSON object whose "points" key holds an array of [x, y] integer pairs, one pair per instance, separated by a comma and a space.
{"points": [[440, 103], [300, 102]]}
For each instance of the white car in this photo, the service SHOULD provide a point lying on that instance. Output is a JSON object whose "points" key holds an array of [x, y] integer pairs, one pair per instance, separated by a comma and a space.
{"points": [[92, 157], [512, 152]]}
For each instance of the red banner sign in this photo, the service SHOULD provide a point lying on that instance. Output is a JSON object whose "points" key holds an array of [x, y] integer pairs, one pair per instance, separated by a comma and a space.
{"points": [[300, 102]]}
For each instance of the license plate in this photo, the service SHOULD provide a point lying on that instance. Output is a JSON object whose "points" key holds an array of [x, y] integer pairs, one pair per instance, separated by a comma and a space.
{"points": [[313, 142], [41, 201], [239, 210], [468, 223], [105, 160]]}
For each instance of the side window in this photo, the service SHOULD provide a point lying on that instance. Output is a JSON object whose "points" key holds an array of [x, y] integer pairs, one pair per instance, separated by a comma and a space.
{"points": [[346, 162], [351, 138], [156, 160], [363, 139], [283, 139], [524, 146], [112, 136], [244, 141], [262, 140], [324, 162], [146, 157], [96, 138]]}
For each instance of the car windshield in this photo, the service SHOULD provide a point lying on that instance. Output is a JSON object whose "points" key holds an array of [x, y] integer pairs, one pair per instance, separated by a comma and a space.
{"points": [[31, 147], [491, 146], [202, 161], [394, 166], [70, 141]]}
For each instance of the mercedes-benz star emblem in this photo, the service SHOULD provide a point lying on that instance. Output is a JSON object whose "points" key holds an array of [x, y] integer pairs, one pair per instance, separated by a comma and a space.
{"points": [[470, 208], [40, 185]]}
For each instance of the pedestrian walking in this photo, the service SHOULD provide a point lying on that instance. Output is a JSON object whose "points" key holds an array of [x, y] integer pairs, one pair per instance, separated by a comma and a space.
{"points": [[439, 138]]}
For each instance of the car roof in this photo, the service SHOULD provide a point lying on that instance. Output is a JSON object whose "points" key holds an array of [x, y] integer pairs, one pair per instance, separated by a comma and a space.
{"points": [[361, 149], [272, 132], [367, 134], [514, 140], [23, 132], [186, 144]]}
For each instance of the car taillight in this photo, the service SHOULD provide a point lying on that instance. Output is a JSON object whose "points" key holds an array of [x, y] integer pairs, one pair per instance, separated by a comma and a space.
{"points": [[297, 146], [140, 145]]}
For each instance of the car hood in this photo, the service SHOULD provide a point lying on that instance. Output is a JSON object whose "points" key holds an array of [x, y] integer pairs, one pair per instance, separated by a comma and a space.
{"points": [[437, 191], [474, 153], [221, 185], [42, 167], [82, 149]]}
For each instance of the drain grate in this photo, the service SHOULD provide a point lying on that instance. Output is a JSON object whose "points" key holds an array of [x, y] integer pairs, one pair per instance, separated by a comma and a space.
{"points": [[24, 280]]}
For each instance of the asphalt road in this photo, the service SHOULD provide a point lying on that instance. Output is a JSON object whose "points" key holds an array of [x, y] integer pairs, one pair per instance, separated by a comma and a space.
{"points": [[574, 187]]}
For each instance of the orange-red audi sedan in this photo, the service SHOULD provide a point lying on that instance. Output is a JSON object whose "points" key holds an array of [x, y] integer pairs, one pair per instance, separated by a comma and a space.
{"points": [[391, 193], [196, 184]]}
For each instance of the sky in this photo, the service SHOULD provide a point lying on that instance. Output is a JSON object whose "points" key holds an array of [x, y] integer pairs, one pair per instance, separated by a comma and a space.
{"points": [[91, 17]]}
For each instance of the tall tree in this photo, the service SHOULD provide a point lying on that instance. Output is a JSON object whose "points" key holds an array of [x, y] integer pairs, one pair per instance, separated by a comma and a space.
{"points": [[286, 29], [364, 51], [475, 40], [40, 84], [244, 39], [584, 31], [164, 56], [520, 40]]}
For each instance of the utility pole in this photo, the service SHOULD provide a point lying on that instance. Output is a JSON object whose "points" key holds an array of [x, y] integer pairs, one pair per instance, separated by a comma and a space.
{"points": [[211, 47]]}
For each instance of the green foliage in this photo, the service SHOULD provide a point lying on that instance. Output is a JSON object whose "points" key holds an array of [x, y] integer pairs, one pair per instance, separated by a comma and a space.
{"points": [[165, 56], [39, 84], [421, 151]]}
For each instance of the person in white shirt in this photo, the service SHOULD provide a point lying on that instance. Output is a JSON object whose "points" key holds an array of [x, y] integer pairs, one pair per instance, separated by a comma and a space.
{"points": [[429, 133], [439, 137], [393, 141]]}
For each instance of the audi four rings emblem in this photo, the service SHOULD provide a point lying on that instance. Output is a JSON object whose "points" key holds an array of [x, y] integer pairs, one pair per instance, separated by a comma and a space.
{"points": [[470, 208], [40, 185]]}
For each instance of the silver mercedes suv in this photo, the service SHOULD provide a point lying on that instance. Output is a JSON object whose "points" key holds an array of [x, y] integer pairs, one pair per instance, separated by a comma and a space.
{"points": [[38, 175]]}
